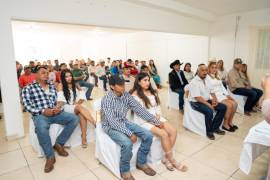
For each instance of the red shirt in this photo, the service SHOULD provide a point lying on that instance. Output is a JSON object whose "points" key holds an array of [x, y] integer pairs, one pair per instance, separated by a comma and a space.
{"points": [[24, 80]]}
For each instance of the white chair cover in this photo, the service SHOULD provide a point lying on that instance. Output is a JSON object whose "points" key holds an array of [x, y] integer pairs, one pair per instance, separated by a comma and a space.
{"points": [[173, 99], [256, 142], [55, 130], [108, 152], [193, 120], [241, 100]]}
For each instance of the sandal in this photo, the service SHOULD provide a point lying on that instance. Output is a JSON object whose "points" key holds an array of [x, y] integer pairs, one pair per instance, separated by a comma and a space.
{"points": [[176, 165], [84, 142], [167, 164]]}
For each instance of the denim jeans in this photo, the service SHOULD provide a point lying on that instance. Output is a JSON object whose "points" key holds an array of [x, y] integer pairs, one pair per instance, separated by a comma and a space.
{"points": [[212, 123], [42, 126], [126, 145], [253, 96], [181, 93], [88, 86]]}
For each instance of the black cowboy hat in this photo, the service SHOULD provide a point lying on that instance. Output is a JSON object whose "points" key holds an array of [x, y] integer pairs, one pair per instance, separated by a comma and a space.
{"points": [[175, 63]]}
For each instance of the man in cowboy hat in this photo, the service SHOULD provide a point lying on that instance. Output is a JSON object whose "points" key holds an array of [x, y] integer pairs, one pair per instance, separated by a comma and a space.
{"points": [[177, 82]]}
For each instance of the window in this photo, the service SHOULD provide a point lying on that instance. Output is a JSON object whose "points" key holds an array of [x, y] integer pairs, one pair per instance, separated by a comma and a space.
{"points": [[263, 51]]}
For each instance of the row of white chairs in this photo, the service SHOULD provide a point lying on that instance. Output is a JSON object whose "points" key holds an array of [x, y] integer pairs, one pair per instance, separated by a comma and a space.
{"points": [[109, 157]]}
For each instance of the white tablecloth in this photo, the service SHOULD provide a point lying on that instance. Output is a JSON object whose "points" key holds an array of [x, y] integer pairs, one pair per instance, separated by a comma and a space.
{"points": [[256, 142]]}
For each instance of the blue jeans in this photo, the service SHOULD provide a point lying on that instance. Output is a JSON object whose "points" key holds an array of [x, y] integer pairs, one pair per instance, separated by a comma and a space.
{"points": [[212, 123], [181, 93], [42, 126], [88, 86], [253, 96], [126, 145]]}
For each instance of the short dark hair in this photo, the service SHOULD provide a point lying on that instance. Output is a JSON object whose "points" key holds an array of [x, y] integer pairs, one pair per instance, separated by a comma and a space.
{"points": [[143, 67], [116, 80], [37, 68]]}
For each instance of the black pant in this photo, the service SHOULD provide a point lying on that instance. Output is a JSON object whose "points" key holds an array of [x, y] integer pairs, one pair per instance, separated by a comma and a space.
{"points": [[253, 95], [212, 123], [104, 79]]}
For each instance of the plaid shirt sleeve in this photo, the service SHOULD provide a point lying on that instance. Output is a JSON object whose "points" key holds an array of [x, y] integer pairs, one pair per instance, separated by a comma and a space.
{"points": [[26, 98], [141, 111], [115, 123]]}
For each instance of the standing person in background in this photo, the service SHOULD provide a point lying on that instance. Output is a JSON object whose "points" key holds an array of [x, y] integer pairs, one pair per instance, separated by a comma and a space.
{"points": [[78, 77], [92, 71], [222, 73], [70, 64], [178, 81], [188, 73], [154, 73]]}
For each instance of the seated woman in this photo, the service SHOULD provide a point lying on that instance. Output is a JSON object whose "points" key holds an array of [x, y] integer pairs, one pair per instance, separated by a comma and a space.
{"points": [[153, 72], [148, 98], [222, 73], [222, 96], [71, 97], [187, 72]]}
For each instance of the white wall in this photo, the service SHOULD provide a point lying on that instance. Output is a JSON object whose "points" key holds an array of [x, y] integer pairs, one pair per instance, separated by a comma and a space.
{"points": [[113, 13], [222, 39], [164, 48]]}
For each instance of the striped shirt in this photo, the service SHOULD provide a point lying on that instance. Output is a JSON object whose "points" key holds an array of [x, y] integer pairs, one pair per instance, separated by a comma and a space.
{"points": [[35, 98], [114, 110]]}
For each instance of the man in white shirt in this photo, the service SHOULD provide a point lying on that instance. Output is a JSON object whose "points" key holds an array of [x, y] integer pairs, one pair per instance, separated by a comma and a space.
{"points": [[199, 97], [92, 71]]}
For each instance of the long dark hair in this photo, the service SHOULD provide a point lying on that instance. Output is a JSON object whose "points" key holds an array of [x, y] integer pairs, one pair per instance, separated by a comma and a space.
{"points": [[140, 92], [65, 85], [186, 66]]}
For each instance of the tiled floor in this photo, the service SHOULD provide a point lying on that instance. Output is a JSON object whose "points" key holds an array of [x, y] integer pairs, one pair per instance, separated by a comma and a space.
{"points": [[206, 159]]}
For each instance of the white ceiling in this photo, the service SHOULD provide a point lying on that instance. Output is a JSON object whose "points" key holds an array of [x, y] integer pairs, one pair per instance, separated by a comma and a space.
{"points": [[224, 7]]}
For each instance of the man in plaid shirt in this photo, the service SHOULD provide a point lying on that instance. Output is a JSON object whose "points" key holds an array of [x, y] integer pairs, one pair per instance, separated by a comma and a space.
{"points": [[114, 108], [39, 98]]}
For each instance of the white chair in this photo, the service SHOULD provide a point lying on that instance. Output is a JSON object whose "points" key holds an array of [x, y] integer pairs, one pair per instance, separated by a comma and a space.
{"points": [[193, 120], [108, 152], [173, 99], [241, 101], [55, 130]]}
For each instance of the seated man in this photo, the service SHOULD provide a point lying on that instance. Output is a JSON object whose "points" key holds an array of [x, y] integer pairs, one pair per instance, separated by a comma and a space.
{"points": [[79, 78], [39, 98], [177, 82], [199, 96], [238, 85], [114, 108]]}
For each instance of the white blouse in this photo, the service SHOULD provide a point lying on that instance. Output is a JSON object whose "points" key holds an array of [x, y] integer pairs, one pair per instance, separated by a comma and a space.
{"points": [[189, 75], [216, 87], [154, 108], [222, 75], [80, 95]]}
